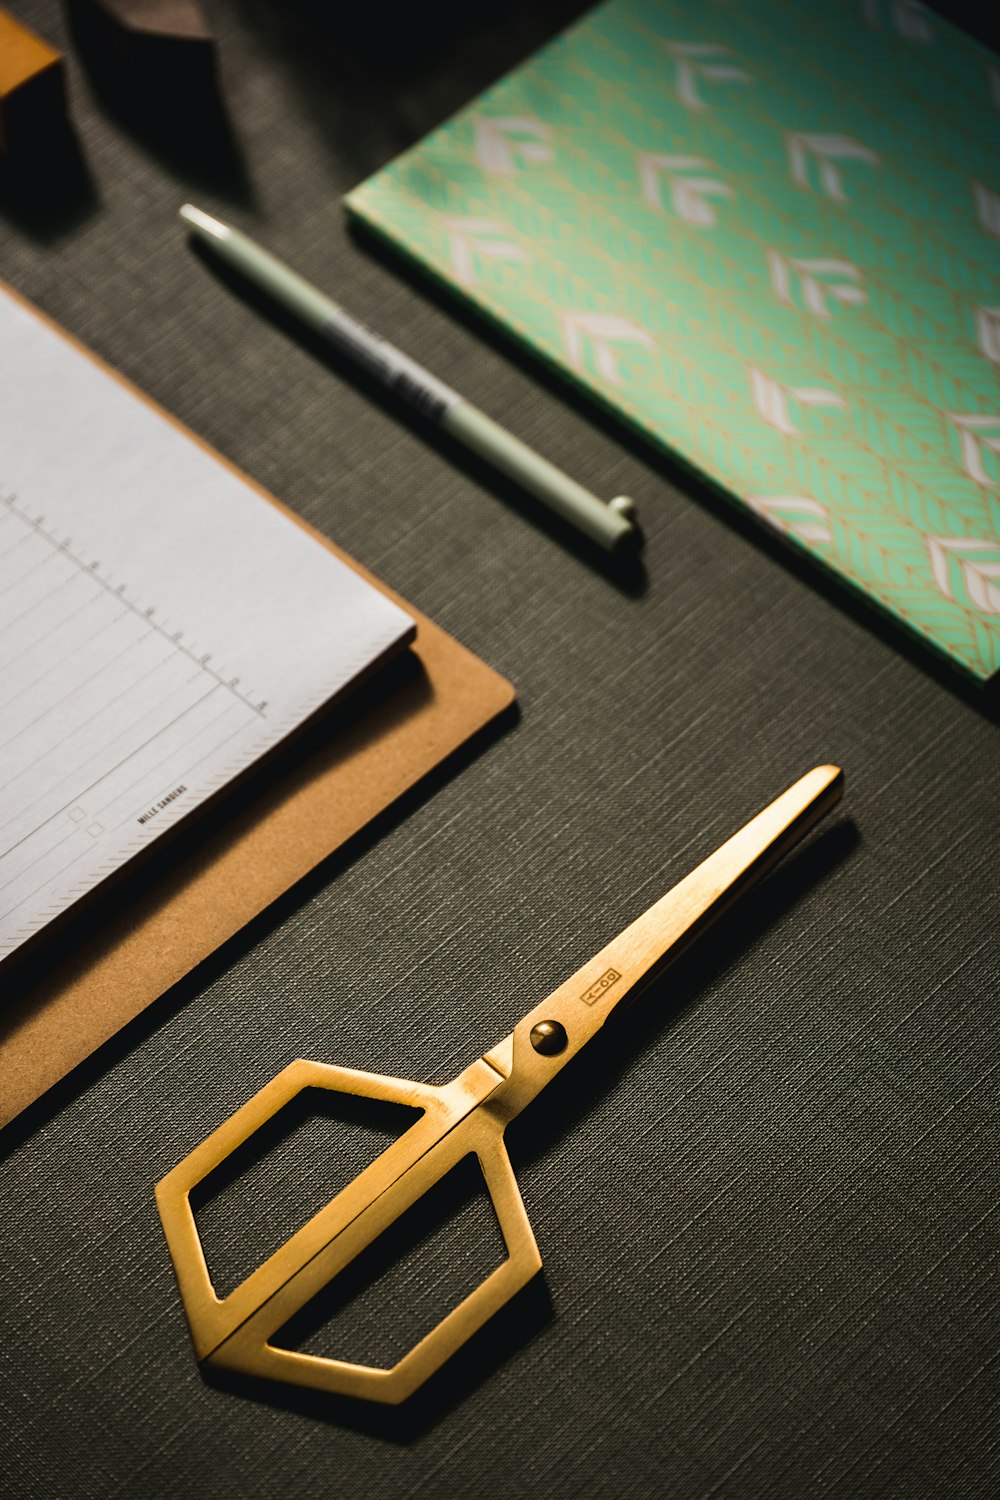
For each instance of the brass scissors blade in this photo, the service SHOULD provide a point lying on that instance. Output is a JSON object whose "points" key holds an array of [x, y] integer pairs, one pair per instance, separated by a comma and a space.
{"points": [[556, 1029], [467, 1116]]}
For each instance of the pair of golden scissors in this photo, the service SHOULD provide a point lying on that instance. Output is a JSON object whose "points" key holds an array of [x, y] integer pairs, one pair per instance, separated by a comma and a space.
{"points": [[468, 1115]]}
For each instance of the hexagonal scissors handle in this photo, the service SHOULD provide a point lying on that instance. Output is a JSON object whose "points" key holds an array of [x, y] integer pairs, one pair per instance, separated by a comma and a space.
{"points": [[466, 1116], [233, 1332]]}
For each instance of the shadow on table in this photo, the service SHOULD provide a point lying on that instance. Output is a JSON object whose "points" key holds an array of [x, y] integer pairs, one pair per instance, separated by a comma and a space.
{"points": [[560, 1108], [44, 967], [521, 1321], [383, 59], [692, 485], [167, 96], [372, 90], [50, 191]]}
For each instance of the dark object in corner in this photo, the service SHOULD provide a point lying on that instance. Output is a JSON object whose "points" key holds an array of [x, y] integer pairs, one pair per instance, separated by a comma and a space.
{"points": [[147, 58], [162, 40], [154, 66], [32, 89]]}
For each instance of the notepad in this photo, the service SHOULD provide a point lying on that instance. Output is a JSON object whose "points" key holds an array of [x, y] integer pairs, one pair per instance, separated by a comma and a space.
{"points": [[766, 236], [162, 627]]}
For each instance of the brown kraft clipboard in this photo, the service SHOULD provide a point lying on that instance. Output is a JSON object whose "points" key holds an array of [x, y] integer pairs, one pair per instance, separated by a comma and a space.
{"points": [[54, 1015]]}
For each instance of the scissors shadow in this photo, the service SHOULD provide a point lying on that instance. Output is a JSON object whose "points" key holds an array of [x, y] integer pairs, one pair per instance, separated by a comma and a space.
{"points": [[634, 1029], [532, 1136], [487, 1351]]}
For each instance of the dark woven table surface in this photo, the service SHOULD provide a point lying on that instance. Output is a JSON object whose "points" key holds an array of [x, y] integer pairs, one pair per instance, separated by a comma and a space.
{"points": [[765, 1207]]}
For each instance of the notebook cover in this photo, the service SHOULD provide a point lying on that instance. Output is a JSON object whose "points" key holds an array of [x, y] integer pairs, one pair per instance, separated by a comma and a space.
{"points": [[233, 866], [767, 236]]}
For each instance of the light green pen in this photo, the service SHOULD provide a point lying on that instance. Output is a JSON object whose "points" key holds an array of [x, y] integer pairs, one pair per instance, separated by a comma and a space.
{"points": [[611, 526]]}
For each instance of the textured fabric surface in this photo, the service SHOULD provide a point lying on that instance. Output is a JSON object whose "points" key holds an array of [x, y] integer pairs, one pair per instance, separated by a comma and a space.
{"points": [[765, 1206], [763, 235]]}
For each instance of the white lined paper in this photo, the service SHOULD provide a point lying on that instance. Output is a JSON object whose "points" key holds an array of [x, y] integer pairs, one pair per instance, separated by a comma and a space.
{"points": [[161, 625]]}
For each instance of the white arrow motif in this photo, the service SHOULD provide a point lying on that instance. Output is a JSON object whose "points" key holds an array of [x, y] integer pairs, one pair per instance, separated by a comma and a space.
{"points": [[771, 400], [603, 329], [800, 514], [688, 195], [988, 332], [828, 150], [974, 429], [688, 57], [814, 291], [978, 574], [466, 244], [988, 208], [497, 154]]}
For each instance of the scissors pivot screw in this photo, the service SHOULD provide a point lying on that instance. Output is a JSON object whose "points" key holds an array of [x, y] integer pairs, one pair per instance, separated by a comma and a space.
{"points": [[549, 1038], [243, 1330]]}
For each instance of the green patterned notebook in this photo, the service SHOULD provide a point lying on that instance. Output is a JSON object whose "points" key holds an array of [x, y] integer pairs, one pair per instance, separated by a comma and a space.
{"points": [[769, 236]]}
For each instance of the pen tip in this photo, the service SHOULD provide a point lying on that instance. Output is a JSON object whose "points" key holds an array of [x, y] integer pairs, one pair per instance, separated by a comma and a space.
{"points": [[200, 222]]}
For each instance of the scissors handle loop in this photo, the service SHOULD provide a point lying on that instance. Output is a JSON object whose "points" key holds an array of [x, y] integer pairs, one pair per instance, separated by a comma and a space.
{"points": [[465, 1117], [235, 1332]]}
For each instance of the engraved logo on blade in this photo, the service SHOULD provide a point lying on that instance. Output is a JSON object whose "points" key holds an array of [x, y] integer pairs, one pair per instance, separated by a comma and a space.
{"points": [[600, 987]]}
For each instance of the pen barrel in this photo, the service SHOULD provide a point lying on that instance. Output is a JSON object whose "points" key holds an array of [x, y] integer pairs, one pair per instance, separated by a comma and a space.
{"points": [[478, 432], [609, 525], [408, 380], [278, 281]]}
